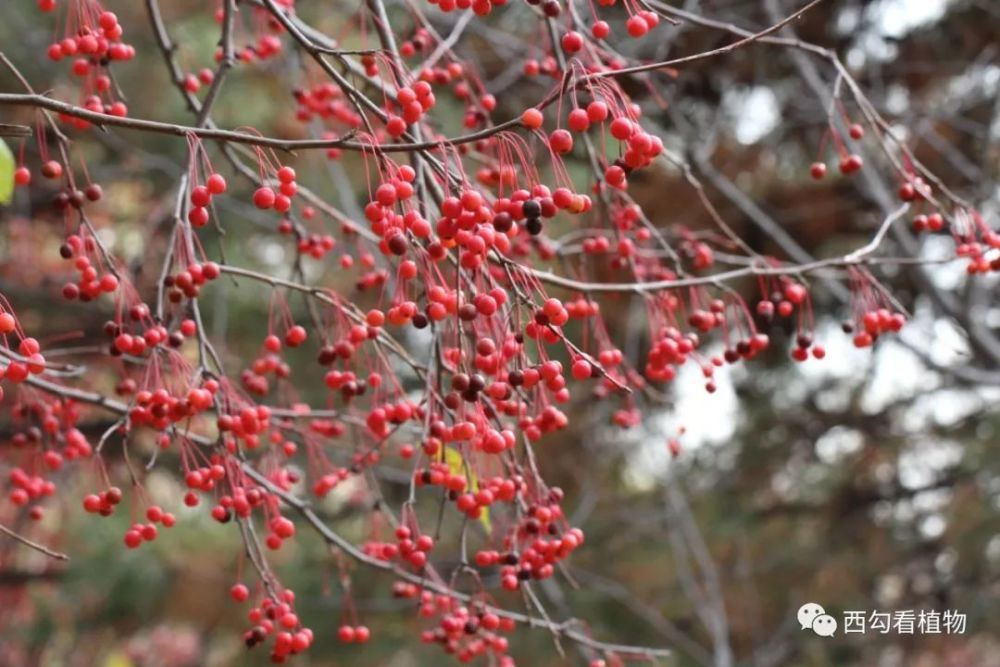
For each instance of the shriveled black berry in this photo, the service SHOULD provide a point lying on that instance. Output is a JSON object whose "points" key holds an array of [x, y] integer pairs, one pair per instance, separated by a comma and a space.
{"points": [[532, 208], [502, 222]]}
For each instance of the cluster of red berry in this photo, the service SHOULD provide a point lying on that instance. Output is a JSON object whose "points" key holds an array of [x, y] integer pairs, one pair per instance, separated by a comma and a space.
{"points": [[266, 198], [46, 438], [91, 283], [466, 633], [326, 101], [275, 619], [93, 41], [440, 252]]}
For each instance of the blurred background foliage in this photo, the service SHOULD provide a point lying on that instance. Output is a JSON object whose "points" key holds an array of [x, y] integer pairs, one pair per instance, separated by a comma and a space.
{"points": [[866, 481]]}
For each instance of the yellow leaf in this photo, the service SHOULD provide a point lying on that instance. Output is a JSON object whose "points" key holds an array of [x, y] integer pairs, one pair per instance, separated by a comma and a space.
{"points": [[118, 659], [7, 167], [456, 465]]}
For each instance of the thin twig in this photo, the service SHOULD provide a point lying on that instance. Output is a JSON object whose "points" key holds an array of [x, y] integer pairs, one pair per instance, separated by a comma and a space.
{"points": [[41, 548]]}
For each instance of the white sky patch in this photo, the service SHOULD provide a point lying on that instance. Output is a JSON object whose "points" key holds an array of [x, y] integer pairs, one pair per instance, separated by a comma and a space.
{"points": [[991, 79], [932, 527], [647, 463], [707, 419], [755, 113], [890, 372], [897, 100], [848, 20], [897, 372], [270, 253], [838, 443], [992, 318], [896, 18], [842, 361], [922, 462], [107, 236], [855, 58], [993, 549], [890, 20], [950, 346]]}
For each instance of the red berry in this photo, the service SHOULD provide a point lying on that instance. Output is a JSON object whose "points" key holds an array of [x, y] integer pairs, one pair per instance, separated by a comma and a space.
{"points": [[561, 141], [108, 20], [92, 503], [532, 119], [572, 42], [578, 120], [621, 128], [282, 203], [851, 164], [581, 369], [346, 634], [239, 593], [597, 112], [295, 336], [198, 216], [216, 184], [637, 26], [395, 126], [264, 198], [283, 528], [52, 169]]}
